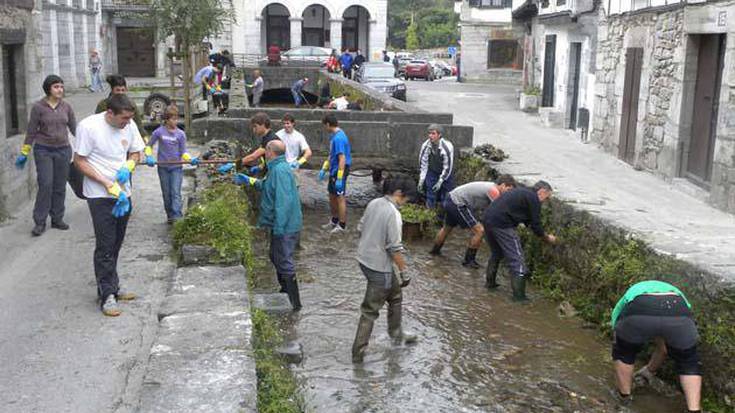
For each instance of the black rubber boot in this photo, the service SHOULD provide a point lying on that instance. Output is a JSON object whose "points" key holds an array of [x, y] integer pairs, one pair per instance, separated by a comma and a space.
{"points": [[491, 275], [362, 337], [292, 289], [469, 258], [518, 283], [282, 283], [436, 249]]}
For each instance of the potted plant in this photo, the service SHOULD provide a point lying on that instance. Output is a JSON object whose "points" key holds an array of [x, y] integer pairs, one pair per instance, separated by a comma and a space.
{"points": [[417, 220], [529, 99]]}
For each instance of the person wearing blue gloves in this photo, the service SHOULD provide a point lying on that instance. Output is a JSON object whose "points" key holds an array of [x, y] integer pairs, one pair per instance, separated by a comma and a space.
{"points": [[337, 168], [171, 147], [280, 214], [108, 147], [48, 136]]}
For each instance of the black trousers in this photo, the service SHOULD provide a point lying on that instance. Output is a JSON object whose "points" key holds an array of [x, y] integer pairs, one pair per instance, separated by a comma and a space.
{"points": [[109, 233], [52, 171], [505, 244]]}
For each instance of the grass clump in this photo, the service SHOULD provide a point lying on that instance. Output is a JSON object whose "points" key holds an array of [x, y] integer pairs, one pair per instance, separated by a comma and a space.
{"points": [[417, 214], [277, 387], [219, 220]]}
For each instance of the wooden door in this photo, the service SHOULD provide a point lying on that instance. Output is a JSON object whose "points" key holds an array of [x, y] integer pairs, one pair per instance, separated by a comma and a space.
{"points": [[706, 97], [136, 55], [547, 98], [575, 61], [629, 119]]}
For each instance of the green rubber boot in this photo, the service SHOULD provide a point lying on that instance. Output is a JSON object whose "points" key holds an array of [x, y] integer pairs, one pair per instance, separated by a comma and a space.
{"points": [[518, 282], [491, 275]]}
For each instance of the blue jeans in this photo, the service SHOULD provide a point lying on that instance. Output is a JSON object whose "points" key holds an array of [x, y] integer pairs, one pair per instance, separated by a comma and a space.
{"points": [[96, 85], [436, 198], [297, 98], [171, 179]]}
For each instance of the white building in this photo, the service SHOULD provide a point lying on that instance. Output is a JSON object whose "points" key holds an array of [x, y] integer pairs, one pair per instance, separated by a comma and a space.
{"points": [[337, 24]]}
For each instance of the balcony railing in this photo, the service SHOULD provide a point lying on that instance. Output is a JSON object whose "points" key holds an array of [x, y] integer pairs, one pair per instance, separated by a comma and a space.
{"points": [[125, 5]]}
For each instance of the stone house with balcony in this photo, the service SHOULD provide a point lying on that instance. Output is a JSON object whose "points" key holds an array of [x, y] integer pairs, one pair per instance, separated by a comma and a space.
{"points": [[560, 40], [665, 92], [491, 48]]}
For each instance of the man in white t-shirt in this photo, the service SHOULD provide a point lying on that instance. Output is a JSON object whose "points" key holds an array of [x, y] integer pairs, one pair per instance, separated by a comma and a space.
{"points": [[339, 103], [108, 145], [297, 149]]}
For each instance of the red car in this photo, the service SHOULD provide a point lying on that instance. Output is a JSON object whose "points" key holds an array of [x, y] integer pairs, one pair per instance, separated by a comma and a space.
{"points": [[419, 68]]}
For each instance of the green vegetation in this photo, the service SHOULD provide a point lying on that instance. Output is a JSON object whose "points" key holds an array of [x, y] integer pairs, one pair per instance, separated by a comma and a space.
{"points": [[473, 168], [532, 90], [278, 390], [417, 214], [336, 88], [422, 24]]}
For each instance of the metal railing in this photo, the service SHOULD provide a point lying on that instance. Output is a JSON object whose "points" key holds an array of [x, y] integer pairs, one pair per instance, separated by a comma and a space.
{"points": [[125, 5], [262, 60]]}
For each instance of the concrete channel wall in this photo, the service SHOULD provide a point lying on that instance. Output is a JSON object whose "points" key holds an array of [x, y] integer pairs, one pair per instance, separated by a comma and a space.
{"points": [[375, 145]]}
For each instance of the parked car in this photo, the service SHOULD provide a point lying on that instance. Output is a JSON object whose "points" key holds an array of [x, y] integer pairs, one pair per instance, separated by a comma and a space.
{"points": [[419, 68], [437, 69], [306, 55], [380, 76], [444, 66], [402, 62]]}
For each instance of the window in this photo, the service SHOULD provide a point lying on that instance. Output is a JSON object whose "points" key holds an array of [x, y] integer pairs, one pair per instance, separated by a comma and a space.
{"points": [[10, 82], [502, 54], [491, 4]]}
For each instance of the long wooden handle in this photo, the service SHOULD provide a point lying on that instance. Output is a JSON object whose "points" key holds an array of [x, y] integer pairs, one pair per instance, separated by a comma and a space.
{"points": [[201, 162]]}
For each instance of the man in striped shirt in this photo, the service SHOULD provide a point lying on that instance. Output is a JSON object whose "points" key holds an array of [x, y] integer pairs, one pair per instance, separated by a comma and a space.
{"points": [[436, 163]]}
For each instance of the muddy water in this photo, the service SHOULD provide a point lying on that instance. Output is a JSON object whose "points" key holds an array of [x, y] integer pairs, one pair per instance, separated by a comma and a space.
{"points": [[478, 351]]}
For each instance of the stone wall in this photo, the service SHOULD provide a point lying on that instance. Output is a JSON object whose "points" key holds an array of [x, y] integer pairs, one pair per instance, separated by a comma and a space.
{"points": [[668, 79], [474, 59]]}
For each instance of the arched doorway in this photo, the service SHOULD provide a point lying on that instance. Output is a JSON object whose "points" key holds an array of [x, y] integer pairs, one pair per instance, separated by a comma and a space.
{"points": [[315, 26], [276, 27], [356, 29]]}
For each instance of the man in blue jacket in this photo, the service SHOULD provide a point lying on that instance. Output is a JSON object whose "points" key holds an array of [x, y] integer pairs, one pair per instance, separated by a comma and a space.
{"points": [[280, 212], [346, 61]]}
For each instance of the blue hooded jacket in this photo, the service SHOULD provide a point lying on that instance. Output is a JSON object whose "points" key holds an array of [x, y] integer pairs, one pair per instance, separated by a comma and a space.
{"points": [[280, 206]]}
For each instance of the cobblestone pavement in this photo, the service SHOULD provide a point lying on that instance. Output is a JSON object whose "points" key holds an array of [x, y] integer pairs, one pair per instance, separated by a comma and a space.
{"points": [[668, 217]]}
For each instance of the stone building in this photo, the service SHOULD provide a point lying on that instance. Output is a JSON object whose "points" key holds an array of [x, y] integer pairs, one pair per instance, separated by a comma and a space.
{"points": [[21, 73], [491, 48], [560, 49], [336, 24], [665, 92]]}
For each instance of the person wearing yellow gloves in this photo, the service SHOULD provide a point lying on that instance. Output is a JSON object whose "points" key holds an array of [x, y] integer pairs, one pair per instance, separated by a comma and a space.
{"points": [[171, 147], [48, 138], [107, 147], [337, 167]]}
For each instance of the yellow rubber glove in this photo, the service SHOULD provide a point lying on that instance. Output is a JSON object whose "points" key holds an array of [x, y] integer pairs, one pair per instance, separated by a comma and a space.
{"points": [[114, 190], [25, 149], [148, 151], [302, 160], [186, 157], [323, 171], [131, 165], [340, 174]]}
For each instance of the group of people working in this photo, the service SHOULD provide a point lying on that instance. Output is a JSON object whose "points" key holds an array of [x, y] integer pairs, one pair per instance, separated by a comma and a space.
{"points": [[108, 145]]}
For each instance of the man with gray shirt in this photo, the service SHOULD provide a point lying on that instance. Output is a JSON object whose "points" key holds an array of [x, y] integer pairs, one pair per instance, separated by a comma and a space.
{"points": [[460, 208], [379, 249], [257, 86]]}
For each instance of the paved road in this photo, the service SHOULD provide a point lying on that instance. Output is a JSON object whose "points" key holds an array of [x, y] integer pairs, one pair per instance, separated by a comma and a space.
{"points": [[59, 354], [670, 220]]}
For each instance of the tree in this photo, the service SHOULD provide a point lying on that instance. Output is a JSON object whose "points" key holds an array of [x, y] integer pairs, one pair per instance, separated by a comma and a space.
{"points": [[412, 36], [189, 22]]}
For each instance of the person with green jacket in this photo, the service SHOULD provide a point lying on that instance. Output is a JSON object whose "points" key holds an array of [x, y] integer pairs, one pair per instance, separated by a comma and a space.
{"points": [[659, 311], [280, 213]]}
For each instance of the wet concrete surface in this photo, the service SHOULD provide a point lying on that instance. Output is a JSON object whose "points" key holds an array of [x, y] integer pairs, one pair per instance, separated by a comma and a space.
{"points": [[478, 351]]}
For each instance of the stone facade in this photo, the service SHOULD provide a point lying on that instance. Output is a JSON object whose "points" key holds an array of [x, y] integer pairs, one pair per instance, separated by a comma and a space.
{"points": [[668, 37], [21, 74]]}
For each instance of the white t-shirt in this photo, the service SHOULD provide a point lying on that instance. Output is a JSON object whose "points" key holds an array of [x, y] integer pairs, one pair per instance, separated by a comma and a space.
{"points": [[340, 103], [106, 148], [295, 144]]}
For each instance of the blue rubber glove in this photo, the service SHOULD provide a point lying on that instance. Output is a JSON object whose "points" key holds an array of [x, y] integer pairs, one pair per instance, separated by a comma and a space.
{"points": [[243, 179], [226, 168], [123, 174], [339, 186], [195, 161], [20, 161], [150, 161], [255, 170], [122, 206], [295, 165], [324, 170]]}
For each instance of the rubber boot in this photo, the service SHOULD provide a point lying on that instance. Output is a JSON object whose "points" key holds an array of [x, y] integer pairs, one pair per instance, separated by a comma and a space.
{"points": [[362, 337], [491, 274], [518, 282], [282, 283], [436, 249], [292, 289], [469, 258]]}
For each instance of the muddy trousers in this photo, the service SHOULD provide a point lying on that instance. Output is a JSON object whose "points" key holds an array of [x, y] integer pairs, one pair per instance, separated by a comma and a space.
{"points": [[109, 234], [505, 244], [281, 255], [382, 288]]}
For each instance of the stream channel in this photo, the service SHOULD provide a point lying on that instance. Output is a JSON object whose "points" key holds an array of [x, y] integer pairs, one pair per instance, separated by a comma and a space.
{"points": [[477, 352]]}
